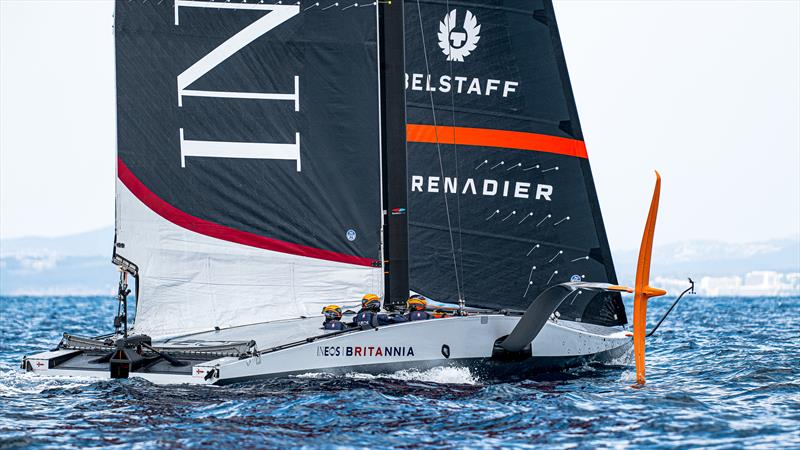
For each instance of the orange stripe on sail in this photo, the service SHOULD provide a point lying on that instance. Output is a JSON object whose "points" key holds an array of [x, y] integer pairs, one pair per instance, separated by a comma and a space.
{"points": [[484, 137]]}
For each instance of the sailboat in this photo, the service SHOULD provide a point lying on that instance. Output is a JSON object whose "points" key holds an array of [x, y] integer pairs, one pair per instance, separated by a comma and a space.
{"points": [[276, 158]]}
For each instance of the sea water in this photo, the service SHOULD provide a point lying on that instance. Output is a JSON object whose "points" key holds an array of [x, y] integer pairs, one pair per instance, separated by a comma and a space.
{"points": [[721, 373]]}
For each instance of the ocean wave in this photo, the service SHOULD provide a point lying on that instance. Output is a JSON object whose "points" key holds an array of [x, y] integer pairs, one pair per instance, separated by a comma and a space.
{"points": [[720, 386]]}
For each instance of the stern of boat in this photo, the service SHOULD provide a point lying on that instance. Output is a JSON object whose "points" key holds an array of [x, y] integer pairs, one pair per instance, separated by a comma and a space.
{"points": [[107, 357]]}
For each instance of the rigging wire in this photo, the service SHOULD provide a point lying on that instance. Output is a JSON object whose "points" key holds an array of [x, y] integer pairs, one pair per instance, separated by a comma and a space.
{"points": [[461, 300], [439, 152]]}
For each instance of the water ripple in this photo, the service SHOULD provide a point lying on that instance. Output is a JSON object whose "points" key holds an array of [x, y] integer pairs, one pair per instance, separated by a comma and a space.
{"points": [[722, 373]]}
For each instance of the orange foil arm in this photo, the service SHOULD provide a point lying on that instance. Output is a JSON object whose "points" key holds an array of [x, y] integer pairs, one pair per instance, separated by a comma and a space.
{"points": [[642, 289]]}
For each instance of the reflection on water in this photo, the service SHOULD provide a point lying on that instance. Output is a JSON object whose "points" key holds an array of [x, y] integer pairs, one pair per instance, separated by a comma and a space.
{"points": [[721, 373]]}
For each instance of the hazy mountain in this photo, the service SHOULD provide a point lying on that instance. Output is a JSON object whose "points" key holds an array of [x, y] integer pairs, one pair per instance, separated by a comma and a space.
{"points": [[91, 243], [714, 258], [80, 264]]}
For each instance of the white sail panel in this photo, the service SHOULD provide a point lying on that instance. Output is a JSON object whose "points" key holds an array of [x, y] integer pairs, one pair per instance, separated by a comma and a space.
{"points": [[191, 282]]}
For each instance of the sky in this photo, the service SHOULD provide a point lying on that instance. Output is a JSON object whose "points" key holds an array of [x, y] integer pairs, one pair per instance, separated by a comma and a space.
{"points": [[707, 92]]}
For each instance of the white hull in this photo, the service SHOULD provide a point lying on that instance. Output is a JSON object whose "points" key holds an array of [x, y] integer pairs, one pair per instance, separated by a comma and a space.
{"points": [[456, 341]]}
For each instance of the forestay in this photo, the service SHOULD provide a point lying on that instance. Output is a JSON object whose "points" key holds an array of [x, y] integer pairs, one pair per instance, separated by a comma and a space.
{"points": [[248, 160]]}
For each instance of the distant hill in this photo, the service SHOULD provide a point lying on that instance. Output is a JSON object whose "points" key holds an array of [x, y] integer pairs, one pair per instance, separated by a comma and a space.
{"points": [[80, 264], [91, 243], [714, 258]]}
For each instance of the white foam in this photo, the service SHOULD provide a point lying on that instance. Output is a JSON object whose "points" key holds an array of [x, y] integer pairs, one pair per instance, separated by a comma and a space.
{"points": [[25, 383], [628, 376], [442, 375], [314, 375], [449, 375], [626, 359]]}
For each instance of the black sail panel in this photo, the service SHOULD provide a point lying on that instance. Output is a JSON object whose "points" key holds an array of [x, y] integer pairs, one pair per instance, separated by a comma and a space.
{"points": [[311, 197], [501, 199], [248, 159]]}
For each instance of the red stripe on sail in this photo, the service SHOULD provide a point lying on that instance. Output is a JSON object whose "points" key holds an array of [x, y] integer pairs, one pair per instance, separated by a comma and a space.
{"points": [[204, 227], [484, 137]]}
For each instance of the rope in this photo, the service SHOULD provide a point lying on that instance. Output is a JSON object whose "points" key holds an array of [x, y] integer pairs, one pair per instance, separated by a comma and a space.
{"points": [[455, 160], [439, 152]]}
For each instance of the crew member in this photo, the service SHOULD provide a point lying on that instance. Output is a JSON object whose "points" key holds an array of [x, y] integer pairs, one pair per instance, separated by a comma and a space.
{"points": [[333, 318], [370, 313], [416, 308]]}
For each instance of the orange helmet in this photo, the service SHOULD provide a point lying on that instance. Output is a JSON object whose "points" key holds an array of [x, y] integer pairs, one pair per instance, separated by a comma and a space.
{"points": [[371, 301], [332, 312], [417, 302]]}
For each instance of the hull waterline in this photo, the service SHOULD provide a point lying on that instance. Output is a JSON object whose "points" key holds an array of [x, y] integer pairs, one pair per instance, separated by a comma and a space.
{"points": [[452, 342]]}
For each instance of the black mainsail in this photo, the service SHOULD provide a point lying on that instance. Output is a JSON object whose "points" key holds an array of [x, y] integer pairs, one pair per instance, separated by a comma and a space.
{"points": [[249, 180], [502, 202]]}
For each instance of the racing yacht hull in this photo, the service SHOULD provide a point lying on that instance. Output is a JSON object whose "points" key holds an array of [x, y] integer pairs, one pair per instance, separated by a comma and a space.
{"points": [[466, 341]]}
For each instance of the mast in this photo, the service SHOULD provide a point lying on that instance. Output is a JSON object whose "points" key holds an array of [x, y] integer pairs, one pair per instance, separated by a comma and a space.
{"points": [[393, 142]]}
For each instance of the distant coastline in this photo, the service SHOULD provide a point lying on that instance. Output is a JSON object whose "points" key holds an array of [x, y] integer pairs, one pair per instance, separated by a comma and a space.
{"points": [[80, 265]]}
